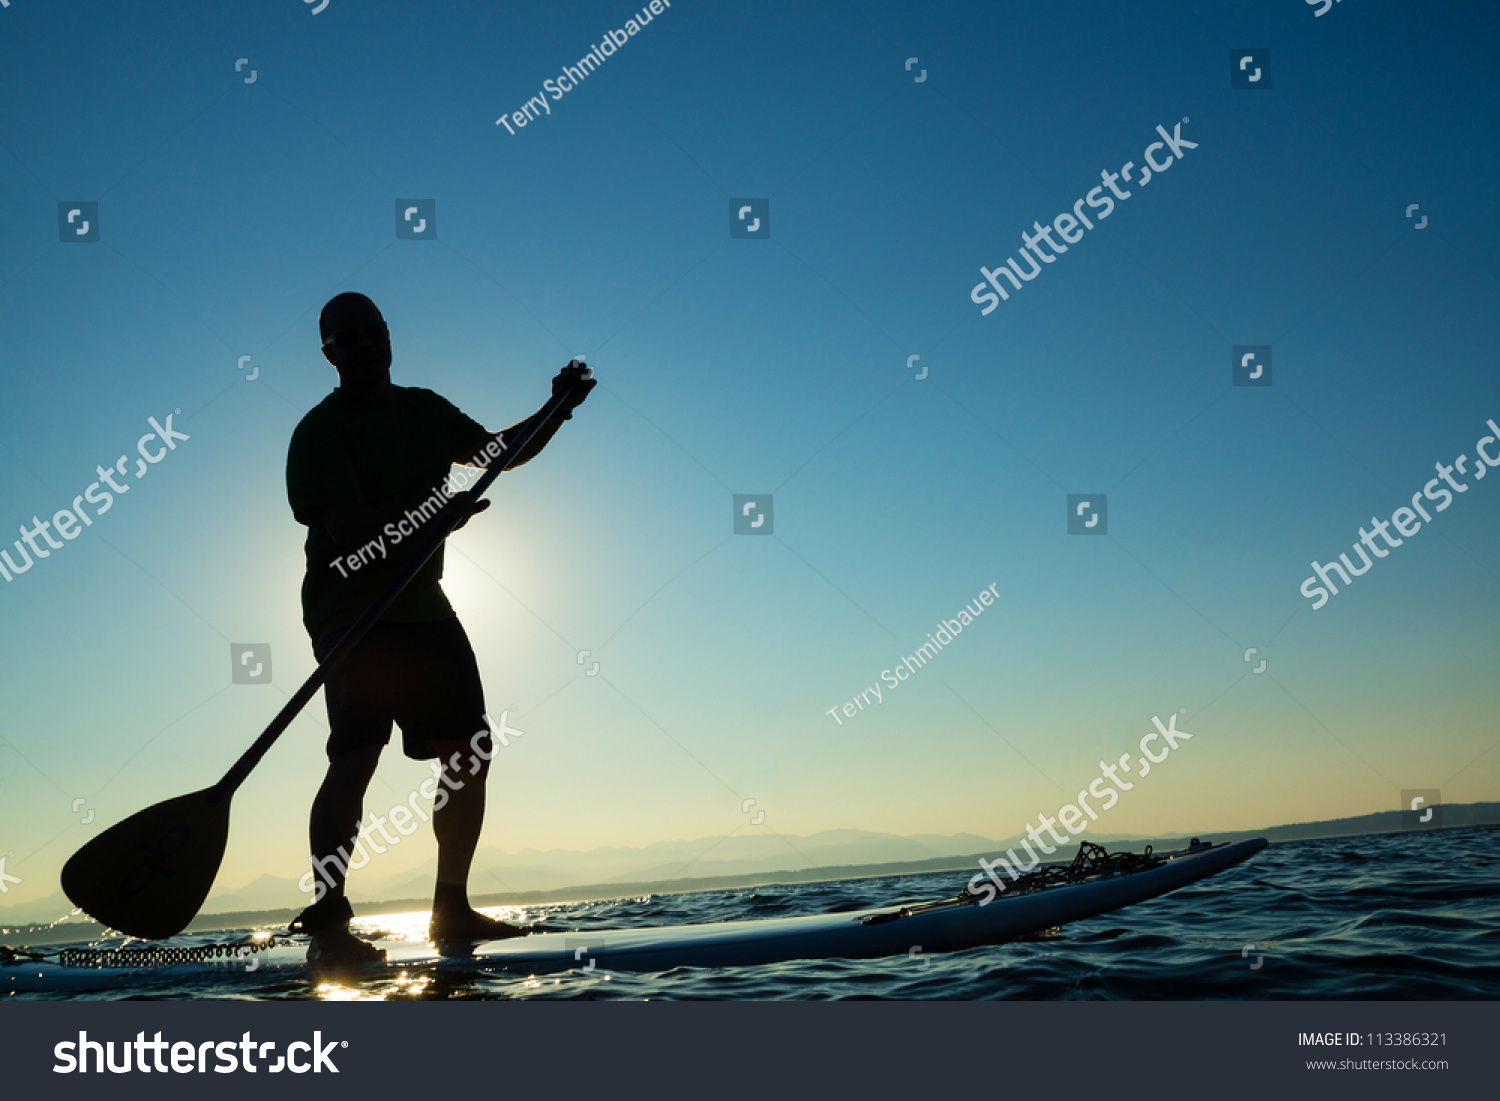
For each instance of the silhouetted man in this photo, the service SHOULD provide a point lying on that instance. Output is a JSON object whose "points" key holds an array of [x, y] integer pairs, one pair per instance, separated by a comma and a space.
{"points": [[363, 458]]}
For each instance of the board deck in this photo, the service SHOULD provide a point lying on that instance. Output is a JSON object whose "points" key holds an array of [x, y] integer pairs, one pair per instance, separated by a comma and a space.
{"points": [[948, 926]]}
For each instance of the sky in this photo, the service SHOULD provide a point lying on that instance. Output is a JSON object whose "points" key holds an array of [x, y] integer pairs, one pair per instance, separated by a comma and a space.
{"points": [[250, 160]]}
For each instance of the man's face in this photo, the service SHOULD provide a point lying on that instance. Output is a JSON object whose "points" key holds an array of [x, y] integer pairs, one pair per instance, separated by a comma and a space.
{"points": [[360, 348]]}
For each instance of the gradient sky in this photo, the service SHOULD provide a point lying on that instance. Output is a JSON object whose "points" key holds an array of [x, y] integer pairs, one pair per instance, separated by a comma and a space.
{"points": [[230, 212]]}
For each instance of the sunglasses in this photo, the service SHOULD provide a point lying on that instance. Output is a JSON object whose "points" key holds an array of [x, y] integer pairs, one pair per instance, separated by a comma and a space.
{"points": [[352, 338]]}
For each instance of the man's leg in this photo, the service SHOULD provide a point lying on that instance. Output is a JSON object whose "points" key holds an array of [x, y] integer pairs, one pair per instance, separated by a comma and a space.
{"points": [[456, 826], [334, 833], [443, 716], [337, 812]]}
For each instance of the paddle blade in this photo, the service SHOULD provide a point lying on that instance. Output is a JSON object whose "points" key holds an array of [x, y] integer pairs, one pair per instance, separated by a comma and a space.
{"points": [[148, 875]]}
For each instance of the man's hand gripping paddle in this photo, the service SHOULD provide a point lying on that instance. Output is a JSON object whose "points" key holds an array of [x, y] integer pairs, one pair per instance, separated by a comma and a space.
{"points": [[148, 875]]}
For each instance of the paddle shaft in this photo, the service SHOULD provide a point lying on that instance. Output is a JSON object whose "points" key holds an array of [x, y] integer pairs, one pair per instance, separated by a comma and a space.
{"points": [[434, 539]]}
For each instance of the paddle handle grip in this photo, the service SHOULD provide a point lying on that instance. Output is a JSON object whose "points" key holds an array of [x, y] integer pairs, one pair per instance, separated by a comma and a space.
{"points": [[434, 539]]}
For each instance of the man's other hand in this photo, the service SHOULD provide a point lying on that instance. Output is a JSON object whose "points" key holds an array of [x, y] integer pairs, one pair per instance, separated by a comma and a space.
{"points": [[464, 506]]}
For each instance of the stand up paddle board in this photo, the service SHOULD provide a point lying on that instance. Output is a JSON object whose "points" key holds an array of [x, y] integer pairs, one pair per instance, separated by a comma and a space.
{"points": [[950, 925]]}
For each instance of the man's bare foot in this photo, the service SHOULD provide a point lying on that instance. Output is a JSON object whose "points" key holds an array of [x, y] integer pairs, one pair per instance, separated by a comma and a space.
{"points": [[338, 947], [469, 925]]}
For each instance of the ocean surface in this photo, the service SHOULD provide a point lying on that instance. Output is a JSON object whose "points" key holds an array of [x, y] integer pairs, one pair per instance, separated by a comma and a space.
{"points": [[1411, 915]]}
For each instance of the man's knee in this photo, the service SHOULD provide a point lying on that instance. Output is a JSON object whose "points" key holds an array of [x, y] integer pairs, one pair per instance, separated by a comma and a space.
{"points": [[353, 766], [463, 761]]}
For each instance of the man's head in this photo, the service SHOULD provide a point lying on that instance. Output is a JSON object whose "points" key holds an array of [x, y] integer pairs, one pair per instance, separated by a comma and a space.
{"points": [[355, 341]]}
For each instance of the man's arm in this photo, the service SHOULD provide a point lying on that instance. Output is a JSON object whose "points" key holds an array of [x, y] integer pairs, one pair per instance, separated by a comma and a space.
{"points": [[499, 443]]}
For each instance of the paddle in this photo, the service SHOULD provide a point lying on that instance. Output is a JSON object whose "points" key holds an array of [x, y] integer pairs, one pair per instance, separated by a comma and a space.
{"points": [[148, 875]]}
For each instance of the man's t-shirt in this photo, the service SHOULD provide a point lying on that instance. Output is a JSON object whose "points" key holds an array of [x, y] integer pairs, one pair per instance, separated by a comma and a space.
{"points": [[389, 456]]}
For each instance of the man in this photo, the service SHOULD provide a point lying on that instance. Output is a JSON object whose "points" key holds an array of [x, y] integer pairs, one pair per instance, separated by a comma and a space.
{"points": [[365, 457]]}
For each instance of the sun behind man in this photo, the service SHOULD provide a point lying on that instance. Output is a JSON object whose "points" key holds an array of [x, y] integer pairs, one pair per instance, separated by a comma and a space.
{"points": [[359, 460]]}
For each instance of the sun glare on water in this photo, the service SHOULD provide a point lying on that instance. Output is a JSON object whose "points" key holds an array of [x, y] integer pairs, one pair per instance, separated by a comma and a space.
{"points": [[407, 927], [400, 934]]}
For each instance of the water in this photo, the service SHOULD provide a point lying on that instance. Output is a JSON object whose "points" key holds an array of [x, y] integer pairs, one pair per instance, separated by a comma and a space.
{"points": [[1399, 916]]}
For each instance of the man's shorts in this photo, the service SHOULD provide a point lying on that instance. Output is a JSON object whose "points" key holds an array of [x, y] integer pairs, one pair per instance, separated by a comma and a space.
{"points": [[421, 676]]}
